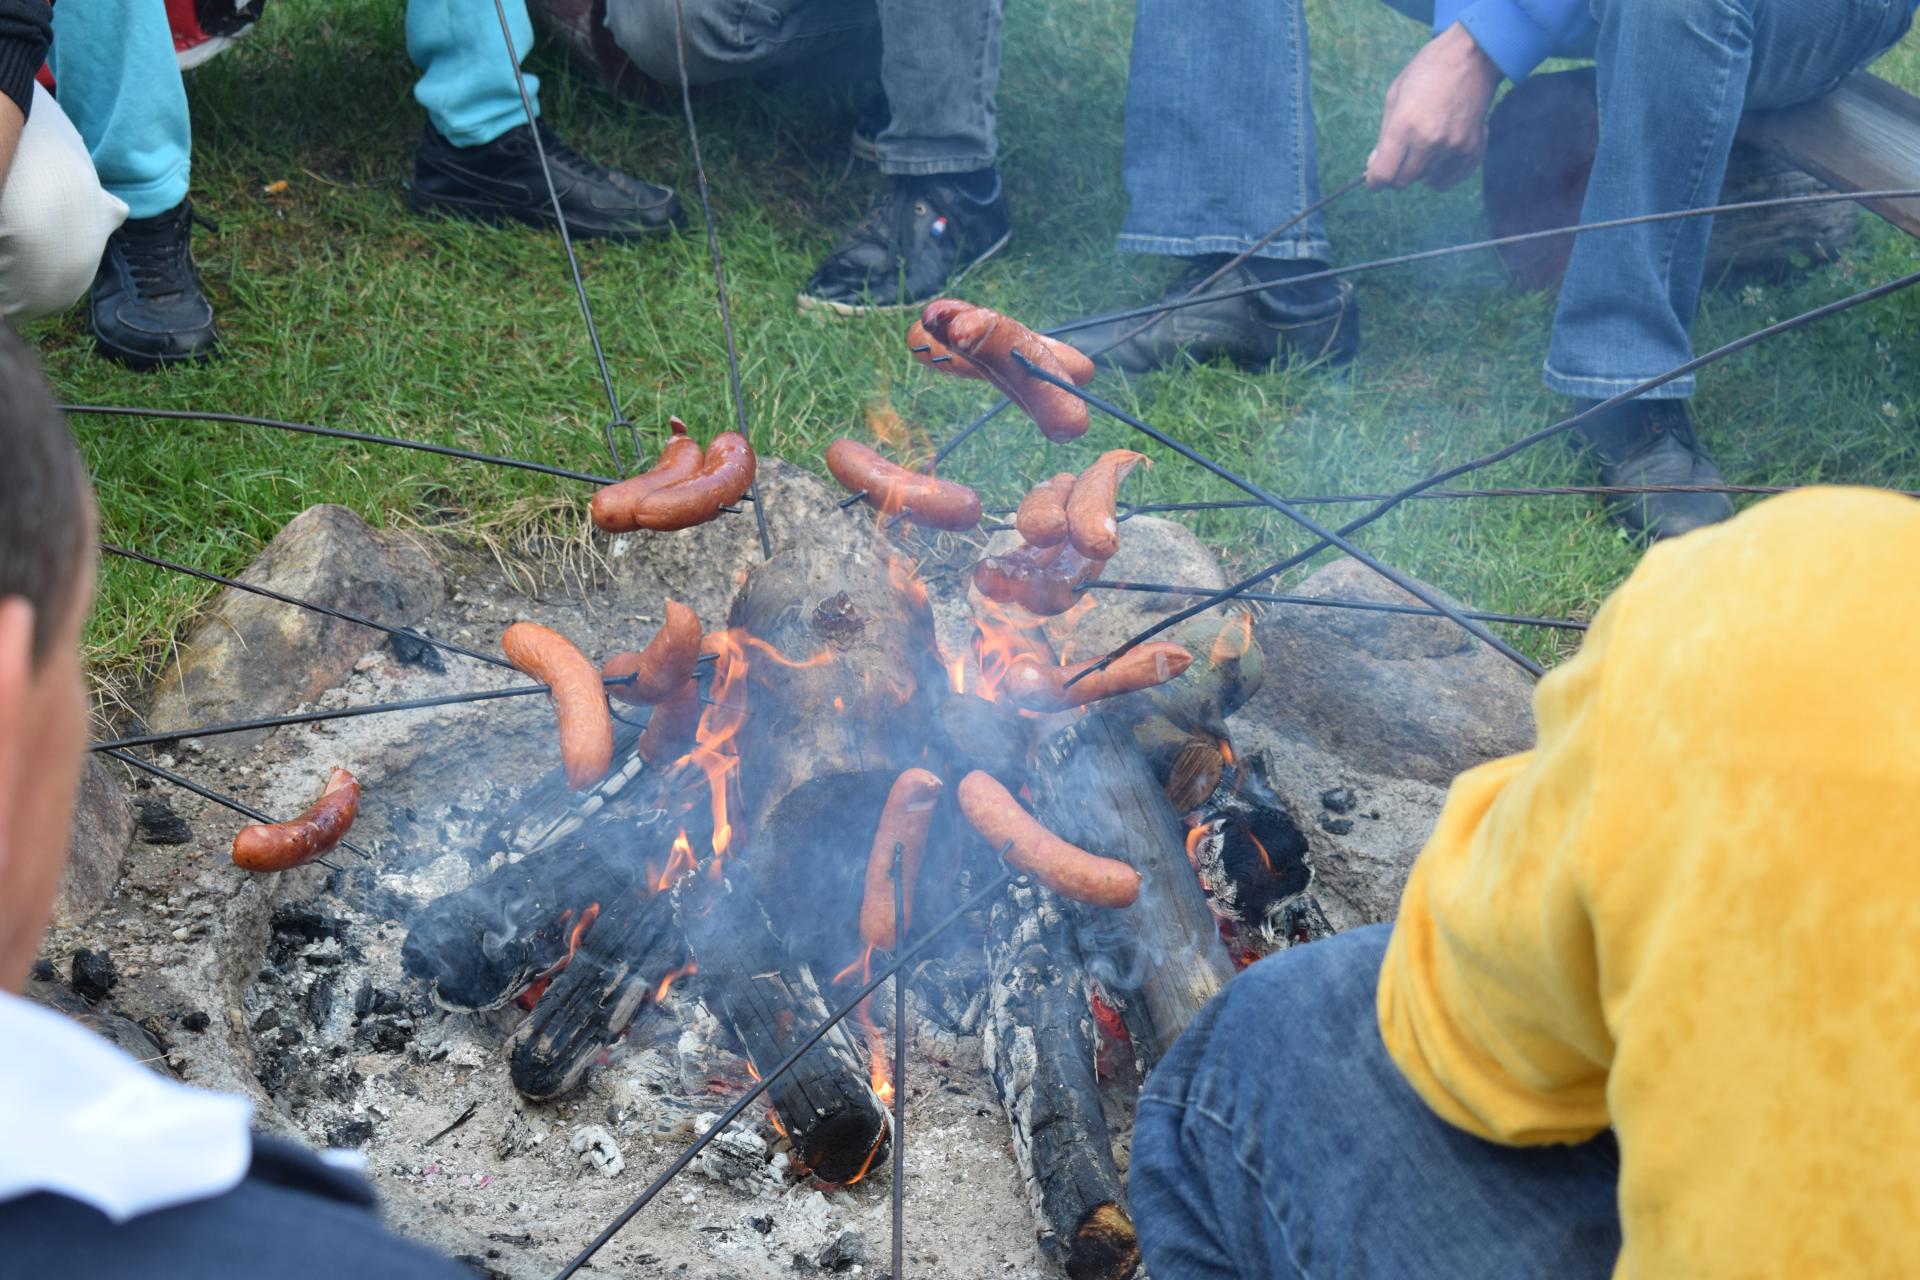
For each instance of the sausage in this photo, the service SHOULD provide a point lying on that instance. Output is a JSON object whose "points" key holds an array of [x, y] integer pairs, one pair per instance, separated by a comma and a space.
{"points": [[1038, 686], [670, 730], [725, 475], [664, 665], [903, 821], [926, 500], [1092, 523], [1068, 870], [280, 846], [926, 350], [1042, 580], [579, 699], [1042, 516], [613, 507], [989, 339]]}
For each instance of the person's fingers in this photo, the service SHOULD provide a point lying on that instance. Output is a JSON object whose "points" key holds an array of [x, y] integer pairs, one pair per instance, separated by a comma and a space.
{"points": [[1384, 161], [1415, 161]]}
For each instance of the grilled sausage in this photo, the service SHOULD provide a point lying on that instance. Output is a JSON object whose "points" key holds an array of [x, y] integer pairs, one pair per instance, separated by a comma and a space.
{"points": [[903, 821], [725, 475], [926, 500], [937, 355], [1068, 870], [1078, 367], [1092, 521], [279, 846], [989, 339], [1038, 686], [664, 665], [579, 699], [670, 730], [613, 507], [1042, 580], [1042, 516]]}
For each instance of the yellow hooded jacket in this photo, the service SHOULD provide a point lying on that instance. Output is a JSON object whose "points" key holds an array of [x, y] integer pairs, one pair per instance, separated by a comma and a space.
{"points": [[1692, 912]]}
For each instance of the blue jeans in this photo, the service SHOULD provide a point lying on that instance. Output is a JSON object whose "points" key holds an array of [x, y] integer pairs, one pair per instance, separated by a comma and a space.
{"points": [[120, 84], [1277, 1139], [1220, 147], [940, 68]]}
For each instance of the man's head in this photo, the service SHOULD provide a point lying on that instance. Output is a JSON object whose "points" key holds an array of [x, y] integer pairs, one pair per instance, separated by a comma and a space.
{"points": [[46, 587]]}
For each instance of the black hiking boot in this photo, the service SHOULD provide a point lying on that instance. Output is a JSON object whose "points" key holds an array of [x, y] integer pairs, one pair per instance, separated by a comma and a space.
{"points": [[1651, 442], [1312, 322], [921, 235], [501, 181], [147, 305]]}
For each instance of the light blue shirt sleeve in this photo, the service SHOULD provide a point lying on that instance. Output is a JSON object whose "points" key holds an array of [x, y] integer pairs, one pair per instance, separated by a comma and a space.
{"points": [[1517, 34]]}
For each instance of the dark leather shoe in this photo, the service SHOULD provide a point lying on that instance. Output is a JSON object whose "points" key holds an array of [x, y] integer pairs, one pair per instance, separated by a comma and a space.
{"points": [[1314, 322], [1651, 442], [147, 305], [501, 181], [918, 238]]}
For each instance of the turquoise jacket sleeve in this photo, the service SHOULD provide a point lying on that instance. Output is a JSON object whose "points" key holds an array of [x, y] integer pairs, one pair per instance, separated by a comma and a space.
{"points": [[1517, 34]]}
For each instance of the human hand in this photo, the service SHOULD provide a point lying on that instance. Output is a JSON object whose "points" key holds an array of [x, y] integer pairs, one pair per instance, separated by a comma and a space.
{"points": [[1434, 128]]}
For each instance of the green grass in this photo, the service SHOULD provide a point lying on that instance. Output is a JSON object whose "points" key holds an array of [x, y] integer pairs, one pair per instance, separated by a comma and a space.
{"points": [[338, 307]]}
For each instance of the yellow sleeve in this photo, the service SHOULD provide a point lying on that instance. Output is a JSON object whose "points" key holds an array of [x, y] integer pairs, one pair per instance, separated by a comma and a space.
{"points": [[1488, 999]]}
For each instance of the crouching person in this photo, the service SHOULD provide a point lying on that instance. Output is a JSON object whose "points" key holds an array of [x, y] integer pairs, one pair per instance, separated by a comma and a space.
{"points": [[107, 1169], [54, 216], [1648, 1008]]}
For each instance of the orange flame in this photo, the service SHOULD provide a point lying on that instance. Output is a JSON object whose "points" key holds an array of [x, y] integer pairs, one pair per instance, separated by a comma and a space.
{"points": [[819, 659], [685, 970], [1195, 835], [1001, 640], [872, 1151], [957, 674], [714, 752], [680, 860], [538, 987], [1233, 640], [1266, 863]]}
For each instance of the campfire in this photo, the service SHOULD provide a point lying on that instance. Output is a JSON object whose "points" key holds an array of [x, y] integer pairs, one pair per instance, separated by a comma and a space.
{"points": [[725, 857]]}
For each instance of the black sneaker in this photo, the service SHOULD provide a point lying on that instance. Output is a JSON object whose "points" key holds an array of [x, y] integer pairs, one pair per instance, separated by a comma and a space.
{"points": [[147, 305], [918, 238], [1649, 442], [1311, 322], [501, 181], [867, 128]]}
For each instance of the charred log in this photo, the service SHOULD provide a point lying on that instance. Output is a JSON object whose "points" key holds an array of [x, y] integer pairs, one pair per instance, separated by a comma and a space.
{"points": [[632, 944], [842, 690], [1039, 1047], [1162, 958], [771, 1003], [1253, 859]]}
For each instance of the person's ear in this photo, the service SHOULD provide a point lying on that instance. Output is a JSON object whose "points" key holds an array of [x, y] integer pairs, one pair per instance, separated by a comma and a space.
{"points": [[16, 681]]}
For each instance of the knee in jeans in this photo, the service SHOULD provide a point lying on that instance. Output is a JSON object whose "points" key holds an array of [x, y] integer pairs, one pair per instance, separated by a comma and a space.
{"points": [[1675, 14], [645, 29]]}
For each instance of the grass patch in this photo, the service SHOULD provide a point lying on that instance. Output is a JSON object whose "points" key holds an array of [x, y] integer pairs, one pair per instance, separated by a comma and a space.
{"points": [[339, 307]]}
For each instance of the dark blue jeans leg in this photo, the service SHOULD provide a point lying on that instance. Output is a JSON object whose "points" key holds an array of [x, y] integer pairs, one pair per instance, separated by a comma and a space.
{"points": [[1277, 1139], [1675, 76], [1220, 140]]}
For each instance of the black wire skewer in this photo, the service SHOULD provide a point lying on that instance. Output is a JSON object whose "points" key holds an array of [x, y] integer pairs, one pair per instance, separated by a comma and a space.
{"points": [[1330, 536], [617, 418], [1439, 478], [316, 607], [1336, 602], [335, 433], [899, 1068], [1497, 242], [208, 793], [786, 1064], [719, 271]]}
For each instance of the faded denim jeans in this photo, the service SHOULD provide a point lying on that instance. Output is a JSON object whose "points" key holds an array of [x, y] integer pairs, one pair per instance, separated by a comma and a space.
{"points": [[938, 63], [1220, 147], [1277, 1139]]}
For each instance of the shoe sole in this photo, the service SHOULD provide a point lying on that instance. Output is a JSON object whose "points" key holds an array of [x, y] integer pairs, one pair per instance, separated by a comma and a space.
{"points": [[141, 363], [810, 303], [494, 215]]}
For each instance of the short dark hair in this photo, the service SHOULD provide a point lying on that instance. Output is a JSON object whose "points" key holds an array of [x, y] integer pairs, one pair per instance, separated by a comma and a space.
{"points": [[43, 495]]}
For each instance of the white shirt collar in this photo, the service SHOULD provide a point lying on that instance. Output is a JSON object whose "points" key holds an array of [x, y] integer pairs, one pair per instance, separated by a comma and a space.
{"points": [[83, 1120]]}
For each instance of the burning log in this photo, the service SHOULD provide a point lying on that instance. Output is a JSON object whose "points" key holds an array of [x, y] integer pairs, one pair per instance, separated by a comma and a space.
{"points": [[1039, 1048], [618, 956], [843, 683], [1161, 958], [771, 1002]]}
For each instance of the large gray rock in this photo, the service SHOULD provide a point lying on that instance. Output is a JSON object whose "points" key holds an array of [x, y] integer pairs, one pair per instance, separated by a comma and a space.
{"points": [[1391, 695], [258, 657], [102, 831]]}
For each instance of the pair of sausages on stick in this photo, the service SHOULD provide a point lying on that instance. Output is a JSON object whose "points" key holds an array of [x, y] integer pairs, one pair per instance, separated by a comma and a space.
{"points": [[991, 809], [662, 674], [685, 486], [1083, 510], [975, 342]]}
